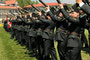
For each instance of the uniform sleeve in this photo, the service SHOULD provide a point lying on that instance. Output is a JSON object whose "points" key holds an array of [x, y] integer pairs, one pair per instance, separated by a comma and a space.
{"points": [[32, 19], [44, 20], [53, 17], [69, 18], [86, 9]]}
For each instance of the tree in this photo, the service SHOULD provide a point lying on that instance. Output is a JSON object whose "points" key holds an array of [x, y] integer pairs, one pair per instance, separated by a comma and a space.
{"points": [[24, 3], [36, 2]]}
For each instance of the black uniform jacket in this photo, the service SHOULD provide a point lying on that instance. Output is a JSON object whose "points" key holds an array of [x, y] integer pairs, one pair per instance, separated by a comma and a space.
{"points": [[73, 40], [86, 8], [31, 31], [61, 25], [47, 28]]}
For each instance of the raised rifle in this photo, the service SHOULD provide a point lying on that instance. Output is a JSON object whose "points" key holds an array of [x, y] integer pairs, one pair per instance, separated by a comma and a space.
{"points": [[58, 1], [20, 11], [53, 9], [67, 8], [11, 12], [33, 6], [43, 3]]}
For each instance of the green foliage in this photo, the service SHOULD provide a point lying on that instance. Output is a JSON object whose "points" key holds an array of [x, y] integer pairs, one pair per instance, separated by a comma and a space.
{"points": [[36, 2], [24, 3]]}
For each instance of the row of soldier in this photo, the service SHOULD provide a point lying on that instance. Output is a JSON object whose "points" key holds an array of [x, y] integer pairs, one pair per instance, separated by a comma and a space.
{"points": [[36, 31]]}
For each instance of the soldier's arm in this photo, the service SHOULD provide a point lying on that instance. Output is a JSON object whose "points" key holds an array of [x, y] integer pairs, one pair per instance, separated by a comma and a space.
{"points": [[53, 17], [83, 6], [86, 8], [66, 15], [69, 18], [44, 20]]}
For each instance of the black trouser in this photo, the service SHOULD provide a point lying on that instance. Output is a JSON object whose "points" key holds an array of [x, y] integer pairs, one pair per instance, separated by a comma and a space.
{"points": [[29, 44], [12, 33], [49, 50], [22, 35], [33, 44], [74, 53], [40, 47], [74, 48], [27, 40], [84, 40], [62, 48], [17, 34]]}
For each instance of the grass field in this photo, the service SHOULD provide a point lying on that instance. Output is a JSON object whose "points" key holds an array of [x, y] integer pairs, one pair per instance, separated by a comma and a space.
{"points": [[10, 50]]}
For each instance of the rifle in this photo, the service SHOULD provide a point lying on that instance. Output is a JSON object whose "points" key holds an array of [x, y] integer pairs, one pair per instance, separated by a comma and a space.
{"points": [[43, 3], [20, 11], [11, 13], [67, 8], [53, 9], [59, 1], [33, 6], [25, 10]]}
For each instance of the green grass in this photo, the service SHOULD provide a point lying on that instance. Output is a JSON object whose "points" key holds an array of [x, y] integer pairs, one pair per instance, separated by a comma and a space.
{"points": [[9, 50]]}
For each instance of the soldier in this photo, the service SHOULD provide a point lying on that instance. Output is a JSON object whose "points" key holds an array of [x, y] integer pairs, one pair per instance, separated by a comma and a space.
{"points": [[48, 36], [32, 35], [83, 19], [28, 23], [12, 27], [39, 40], [74, 42], [61, 33]]}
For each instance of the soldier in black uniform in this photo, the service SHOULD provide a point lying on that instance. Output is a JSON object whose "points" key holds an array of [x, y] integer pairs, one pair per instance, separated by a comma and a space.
{"points": [[39, 40], [48, 36], [19, 30], [16, 28], [61, 33], [74, 43], [12, 27], [86, 9], [32, 35], [83, 19], [27, 23]]}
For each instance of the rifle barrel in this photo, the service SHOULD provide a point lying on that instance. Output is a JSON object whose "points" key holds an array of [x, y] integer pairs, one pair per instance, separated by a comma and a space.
{"points": [[43, 3], [59, 1]]}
